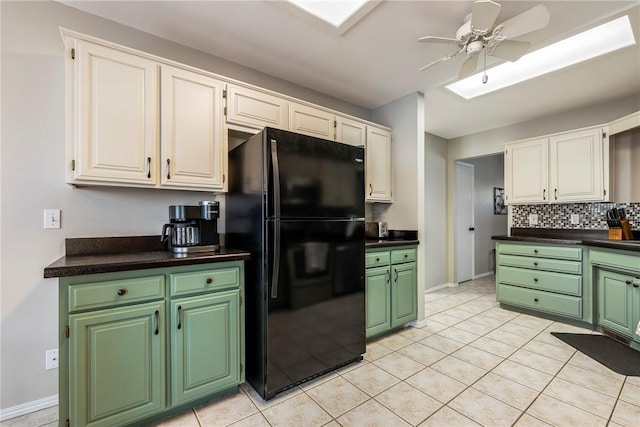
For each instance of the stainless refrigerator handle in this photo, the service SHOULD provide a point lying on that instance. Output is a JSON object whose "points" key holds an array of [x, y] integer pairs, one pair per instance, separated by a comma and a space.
{"points": [[275, 272], [276, 179]]}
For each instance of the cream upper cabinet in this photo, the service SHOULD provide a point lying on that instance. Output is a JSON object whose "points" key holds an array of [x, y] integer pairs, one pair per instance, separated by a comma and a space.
{"points": [[114, 125], [576, 166], [193, 149], [526, 172], [350, 131], [378, 177], [255, 109], [561, 168], [311, 121]]}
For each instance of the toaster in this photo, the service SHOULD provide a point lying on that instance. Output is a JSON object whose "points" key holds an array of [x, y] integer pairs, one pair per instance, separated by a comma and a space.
{"points": [[376, 230]]}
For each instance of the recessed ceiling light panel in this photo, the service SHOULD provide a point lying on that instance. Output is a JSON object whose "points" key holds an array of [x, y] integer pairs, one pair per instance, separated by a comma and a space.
{"points": [[597, 41], [335, 12]]}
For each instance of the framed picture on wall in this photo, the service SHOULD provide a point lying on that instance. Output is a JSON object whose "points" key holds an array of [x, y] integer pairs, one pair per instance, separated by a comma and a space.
{"points": [[499, 208]]}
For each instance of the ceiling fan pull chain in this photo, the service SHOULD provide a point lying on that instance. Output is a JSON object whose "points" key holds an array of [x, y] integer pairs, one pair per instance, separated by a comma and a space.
{"points": [[485, 78]]}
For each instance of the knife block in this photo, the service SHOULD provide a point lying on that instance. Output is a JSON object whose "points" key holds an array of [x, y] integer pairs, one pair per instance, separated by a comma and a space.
{"points": [[627, 234], [615, 234]]}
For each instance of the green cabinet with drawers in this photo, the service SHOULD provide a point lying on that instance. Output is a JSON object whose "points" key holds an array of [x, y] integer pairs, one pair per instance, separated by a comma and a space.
{"points": [[391, 288], [138, 345], [616, 274], [547, 278]]}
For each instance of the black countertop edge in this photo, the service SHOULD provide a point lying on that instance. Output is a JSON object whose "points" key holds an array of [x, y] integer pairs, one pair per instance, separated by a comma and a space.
{"points": [[595, 238], [387, 243], [77, 265]]}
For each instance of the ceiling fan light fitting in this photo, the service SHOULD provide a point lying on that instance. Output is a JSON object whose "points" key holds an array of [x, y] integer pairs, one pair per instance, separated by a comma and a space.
{"points": [[474, 48]]}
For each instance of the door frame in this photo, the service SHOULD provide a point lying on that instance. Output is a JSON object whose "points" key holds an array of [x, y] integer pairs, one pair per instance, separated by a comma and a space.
{"points": [[457, 227]]}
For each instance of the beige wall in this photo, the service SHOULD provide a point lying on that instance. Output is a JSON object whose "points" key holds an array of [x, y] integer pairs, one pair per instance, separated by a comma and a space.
{"points": [[32, 178]]}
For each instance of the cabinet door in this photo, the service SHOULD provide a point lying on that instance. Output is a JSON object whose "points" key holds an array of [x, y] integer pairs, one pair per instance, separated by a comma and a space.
{"points": [[351, 132], [635, 308], [193, 144], [115, 116], [378, 300], [403, 294], [378, 181], [311, 121], [247, 107], [526, 172], [576, 164], [117, 365], [205, 345], [614, 301]]}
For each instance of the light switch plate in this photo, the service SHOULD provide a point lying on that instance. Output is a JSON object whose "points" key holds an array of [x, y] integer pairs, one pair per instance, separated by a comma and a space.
{"points": [[52, 218], [575, 219], [533, 219]]}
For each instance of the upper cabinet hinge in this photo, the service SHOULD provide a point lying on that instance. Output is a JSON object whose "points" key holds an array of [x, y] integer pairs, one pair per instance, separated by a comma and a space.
{"points": [[224, 93], [66, 331], [604, 135], [223, 178], [73, 165], [335, 123], [225, 111], [604, 192], [73, 53]]}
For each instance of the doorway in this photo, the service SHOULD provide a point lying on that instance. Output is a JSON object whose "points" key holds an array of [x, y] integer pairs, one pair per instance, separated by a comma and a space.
{"points": [[464, 222]]}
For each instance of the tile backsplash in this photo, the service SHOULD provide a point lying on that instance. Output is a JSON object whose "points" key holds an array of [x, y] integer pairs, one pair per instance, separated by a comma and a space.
{"points": [[591, 215]]}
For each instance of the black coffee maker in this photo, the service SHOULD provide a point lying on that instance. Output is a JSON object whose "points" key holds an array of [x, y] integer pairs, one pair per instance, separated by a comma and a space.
{"points": [[192, 228]]}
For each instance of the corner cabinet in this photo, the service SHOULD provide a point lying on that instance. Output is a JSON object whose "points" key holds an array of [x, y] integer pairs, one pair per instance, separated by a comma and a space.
{"points": [[545, 278], [140, 345], [562, 168], [616, 275], [391, 289]]}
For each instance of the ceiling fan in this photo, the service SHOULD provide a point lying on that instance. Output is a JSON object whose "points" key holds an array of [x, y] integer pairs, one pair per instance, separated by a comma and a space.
{"points": [[479, 35]]}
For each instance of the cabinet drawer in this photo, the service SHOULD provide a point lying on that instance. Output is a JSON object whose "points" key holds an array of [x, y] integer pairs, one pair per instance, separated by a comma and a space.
{"points": [[569, 284], [617, 260], [403, 255], [201, 281], [115, 292], [563, 305], [556, 252], [377, 259], [572, 267]]}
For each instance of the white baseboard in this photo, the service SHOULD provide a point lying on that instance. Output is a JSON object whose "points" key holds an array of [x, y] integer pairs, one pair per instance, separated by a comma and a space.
{"points": [[29, 407], [444, 285], [481, 275]]}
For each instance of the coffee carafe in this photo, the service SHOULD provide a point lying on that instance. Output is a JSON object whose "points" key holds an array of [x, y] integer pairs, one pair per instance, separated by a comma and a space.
{"points": [[192, 228]]}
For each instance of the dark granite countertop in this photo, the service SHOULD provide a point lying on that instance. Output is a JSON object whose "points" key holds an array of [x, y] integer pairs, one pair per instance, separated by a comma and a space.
{"points": [[595, 238], [111, 254], [387, 243]]}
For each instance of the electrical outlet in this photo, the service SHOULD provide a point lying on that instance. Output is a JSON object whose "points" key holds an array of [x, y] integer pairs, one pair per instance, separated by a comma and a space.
{"points": [[575, 219], [52, 218], [51, 359], [533, 219]]}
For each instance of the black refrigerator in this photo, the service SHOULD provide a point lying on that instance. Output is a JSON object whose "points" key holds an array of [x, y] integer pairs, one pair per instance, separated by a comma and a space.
{"points": [[297, 204]]}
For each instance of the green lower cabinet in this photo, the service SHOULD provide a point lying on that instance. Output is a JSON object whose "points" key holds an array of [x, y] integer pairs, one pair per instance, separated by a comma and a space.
{"points": [[614, 295], [117, 359], [378, 300], [205, 345], [391, 289], [404, 294]]}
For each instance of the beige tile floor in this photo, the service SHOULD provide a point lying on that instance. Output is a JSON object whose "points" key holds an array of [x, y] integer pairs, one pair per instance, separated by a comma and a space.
{"points": [[472, 364]]}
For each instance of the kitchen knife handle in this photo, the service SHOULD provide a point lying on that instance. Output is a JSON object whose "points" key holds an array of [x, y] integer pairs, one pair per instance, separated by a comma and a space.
{"points": [[275, 273], [148, 167], [179, 317], [168, 169], [157, 318]]}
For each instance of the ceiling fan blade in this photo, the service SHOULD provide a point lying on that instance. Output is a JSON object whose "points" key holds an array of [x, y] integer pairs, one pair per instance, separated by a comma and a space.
{"points": [[444, 58], [468, 67], [484, 14], [435, 39], [533, 19], [511, 50]]}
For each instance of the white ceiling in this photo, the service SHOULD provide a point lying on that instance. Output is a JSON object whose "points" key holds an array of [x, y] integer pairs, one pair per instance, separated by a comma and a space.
{"points": [[376, 60]]}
